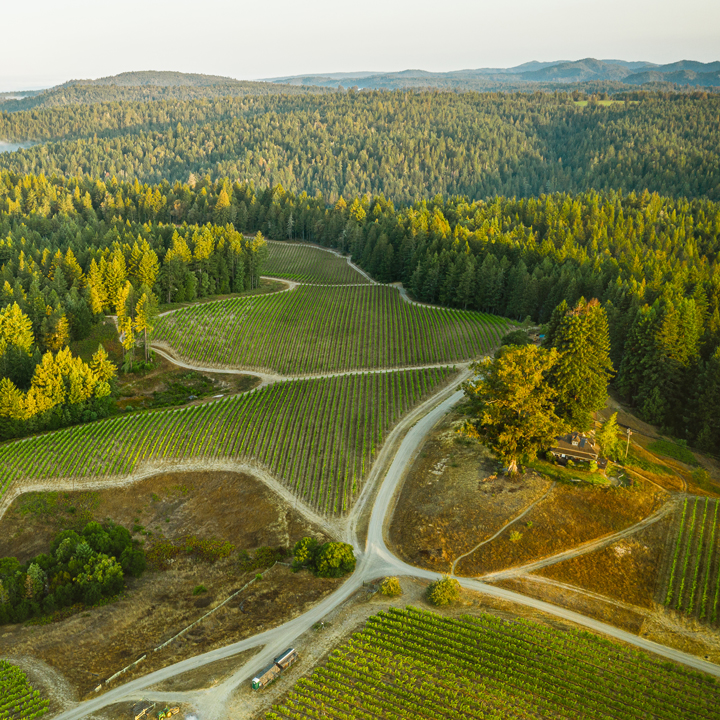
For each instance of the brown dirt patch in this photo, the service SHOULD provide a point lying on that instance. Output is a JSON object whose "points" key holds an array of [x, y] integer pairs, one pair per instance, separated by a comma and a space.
{"points": [[627, 570], [606, 611], [569, 516], [451, 500], [92, 645], [136, 390], [206, 676]]}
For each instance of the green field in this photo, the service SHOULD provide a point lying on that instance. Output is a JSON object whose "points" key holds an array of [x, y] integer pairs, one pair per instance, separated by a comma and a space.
{"points": [[415, 664], [306, 264], [18, 699], [673, 450], [317, 436], [693, 586], [316, 329]]}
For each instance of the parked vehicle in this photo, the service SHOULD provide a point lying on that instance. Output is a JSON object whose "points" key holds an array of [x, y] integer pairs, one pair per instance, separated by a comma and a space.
{"points": [[280, 663]]}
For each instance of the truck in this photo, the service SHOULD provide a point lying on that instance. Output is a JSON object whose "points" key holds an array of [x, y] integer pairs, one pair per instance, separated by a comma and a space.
{"points": [[269, 673], [286, 659]]}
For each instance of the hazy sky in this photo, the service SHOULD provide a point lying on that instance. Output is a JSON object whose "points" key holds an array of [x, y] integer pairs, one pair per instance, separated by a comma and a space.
{"points": [[45, 42]]}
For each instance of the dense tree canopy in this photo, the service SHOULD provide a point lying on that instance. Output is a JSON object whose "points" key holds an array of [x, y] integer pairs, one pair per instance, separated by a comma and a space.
{"points": [[408, 146], [512, 405], [651, 261]]}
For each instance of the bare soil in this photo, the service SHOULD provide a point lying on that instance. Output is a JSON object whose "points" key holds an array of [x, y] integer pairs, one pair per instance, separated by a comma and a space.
{"points": [[569, 516], [452, 500], [92, 645], [628, 570], [604, 610]]}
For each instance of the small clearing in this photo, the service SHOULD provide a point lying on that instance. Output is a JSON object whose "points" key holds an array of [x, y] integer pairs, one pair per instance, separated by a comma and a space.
{"points": [[91, 645]]}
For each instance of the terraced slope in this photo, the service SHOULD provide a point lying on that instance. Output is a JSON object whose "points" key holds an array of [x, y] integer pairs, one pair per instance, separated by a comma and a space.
{"points": [[317, 436], [315, 329], [415, 664], [306, 264]]}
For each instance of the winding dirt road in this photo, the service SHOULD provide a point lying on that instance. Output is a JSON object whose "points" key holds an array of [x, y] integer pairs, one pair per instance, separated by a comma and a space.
{"points": [[374, 560]]}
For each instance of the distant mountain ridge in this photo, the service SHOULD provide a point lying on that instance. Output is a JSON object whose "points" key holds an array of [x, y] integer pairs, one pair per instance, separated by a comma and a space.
{"points": [[562, 72]]}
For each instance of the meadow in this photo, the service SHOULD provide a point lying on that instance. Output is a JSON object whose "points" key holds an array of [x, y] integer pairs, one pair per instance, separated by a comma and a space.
{"points": [[317, 436], [413, 663], [322, 329]]}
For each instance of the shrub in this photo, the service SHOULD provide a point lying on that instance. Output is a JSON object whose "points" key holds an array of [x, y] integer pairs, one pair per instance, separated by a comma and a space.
{"points": [[390, 587], [516, 337], [199, 590], [444, 591], [304, 553], [700, 477], [515, 536], [334, 559]]}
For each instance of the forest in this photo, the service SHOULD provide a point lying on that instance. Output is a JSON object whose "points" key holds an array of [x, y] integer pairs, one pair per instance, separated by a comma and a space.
{"points": [[652, 261], [406, 146]]}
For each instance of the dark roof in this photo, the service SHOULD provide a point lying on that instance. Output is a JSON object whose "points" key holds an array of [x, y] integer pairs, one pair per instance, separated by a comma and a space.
{"points": [[576, 445]]}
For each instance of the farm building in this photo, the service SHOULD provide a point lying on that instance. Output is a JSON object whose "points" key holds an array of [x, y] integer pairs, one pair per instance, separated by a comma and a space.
{"points": [[578, 447]]}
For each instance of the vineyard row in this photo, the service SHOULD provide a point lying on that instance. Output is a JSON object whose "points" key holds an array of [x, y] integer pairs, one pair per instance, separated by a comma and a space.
{"points": [[316, 329], [306, 264], [694, 575], [412, 663], [318, 436]]}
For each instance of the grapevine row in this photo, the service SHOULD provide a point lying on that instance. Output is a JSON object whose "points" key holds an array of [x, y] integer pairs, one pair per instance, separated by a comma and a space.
{"points": [[307, 264], [318, 436], [412, 663], [694, 572], [321, 329]]}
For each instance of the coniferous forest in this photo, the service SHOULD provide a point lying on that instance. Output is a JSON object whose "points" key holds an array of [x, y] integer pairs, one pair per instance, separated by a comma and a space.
{"points": [[508, 204]]}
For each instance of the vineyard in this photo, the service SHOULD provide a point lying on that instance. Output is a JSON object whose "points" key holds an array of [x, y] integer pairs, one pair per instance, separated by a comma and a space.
{"points": [[317, 436], [18, 700], [315, 329], [307, 264], [415, 664], [693, 587]]}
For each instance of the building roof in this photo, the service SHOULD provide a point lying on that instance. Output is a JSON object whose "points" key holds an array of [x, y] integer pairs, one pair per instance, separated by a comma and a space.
{"points": [[576, 445]]}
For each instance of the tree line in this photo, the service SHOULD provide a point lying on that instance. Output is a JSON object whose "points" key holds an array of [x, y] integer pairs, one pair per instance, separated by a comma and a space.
{"points": [[64, 266], [651, 261], [81, 567], [407, 146]]}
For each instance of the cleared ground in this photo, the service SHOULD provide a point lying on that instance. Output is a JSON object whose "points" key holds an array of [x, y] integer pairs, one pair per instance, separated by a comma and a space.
{"points": [[627, 571], [490, 668], [317, 436], [307, 264], [453, 500], [88, 647], [314, 329]]}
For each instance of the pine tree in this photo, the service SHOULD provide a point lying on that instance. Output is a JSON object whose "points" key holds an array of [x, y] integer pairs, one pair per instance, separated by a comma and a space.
{"points": [[581, 375], [511, 405], [96, 291], [607, 438], [145, 312]]}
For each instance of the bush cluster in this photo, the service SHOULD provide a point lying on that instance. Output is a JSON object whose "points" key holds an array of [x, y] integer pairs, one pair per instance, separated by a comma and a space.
{"points": [[444, 591], [80, 568], [331, 559]]}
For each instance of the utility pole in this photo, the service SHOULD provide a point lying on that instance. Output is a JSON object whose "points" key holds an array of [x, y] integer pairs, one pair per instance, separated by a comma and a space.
{"points": [[629, 433]]}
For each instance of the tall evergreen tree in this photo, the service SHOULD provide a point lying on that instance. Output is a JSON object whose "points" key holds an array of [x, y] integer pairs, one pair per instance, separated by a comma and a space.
{"points": [[581, 375]]}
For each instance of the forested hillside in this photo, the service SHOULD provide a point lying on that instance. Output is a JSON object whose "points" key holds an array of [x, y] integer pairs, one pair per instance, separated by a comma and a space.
{"points": [[407, 146], [148, 87], [651, 260]]}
